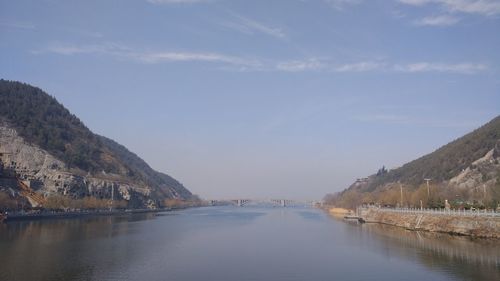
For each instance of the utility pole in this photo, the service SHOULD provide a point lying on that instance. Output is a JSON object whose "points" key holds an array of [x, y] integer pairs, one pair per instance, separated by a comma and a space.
{"points": [[112, 195], [428, 189], [401, 188]]}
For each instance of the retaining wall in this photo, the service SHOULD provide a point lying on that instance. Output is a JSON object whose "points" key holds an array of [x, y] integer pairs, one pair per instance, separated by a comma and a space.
{"points": [[471, 225]]}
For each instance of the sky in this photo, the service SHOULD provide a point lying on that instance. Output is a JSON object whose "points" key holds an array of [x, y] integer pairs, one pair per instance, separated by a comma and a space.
{"points": [[263, 99]]}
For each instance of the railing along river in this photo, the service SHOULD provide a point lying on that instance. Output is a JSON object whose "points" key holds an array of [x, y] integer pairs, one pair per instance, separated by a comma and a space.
{"points": [[455, 212]]}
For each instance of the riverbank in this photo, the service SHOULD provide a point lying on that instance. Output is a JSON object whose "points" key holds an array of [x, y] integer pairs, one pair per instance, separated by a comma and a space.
{"points": [[478, 226], [77, 214], [339, 211]]}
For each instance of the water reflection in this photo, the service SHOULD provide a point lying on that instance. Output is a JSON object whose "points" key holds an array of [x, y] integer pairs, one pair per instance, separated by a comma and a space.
{"points": [[458, 256], [57, 249], [228, 243], [311, 215]]}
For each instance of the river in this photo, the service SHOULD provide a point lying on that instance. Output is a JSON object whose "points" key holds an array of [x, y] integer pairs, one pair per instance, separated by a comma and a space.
{"points": [[240, 244]]}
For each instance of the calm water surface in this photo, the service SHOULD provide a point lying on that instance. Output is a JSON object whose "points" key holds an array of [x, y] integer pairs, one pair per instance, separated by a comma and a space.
{"points": [[229, 243]]}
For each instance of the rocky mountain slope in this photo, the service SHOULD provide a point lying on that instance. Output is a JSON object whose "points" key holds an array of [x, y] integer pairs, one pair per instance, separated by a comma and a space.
{"points": [[50, 152], [465, 171]]}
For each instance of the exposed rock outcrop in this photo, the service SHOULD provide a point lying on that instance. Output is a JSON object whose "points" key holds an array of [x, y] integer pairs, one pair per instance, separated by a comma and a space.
{"points": [[483, 171], [49, 151], [48, 176]]}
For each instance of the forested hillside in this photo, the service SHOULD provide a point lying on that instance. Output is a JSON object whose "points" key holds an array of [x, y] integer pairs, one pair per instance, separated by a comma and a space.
{"points": [[42, 121], [447, 161], [455, 171]]}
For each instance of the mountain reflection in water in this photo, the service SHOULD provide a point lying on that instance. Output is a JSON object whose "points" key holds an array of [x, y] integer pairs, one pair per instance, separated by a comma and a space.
{"points": [[228, 243]]}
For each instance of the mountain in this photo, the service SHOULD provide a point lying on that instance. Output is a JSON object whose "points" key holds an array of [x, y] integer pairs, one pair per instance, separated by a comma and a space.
{"points": [[52, 153], [465, 171]]}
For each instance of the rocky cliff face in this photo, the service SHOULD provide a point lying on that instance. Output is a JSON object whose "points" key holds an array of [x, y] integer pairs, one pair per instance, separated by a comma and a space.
{"points": [[48, 176], [483, 171], [45, 150]]}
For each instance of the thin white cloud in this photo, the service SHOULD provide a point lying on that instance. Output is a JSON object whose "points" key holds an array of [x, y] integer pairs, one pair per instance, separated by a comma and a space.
{"points": [[17, 24], [442, 20], [161, 57], [480, 7], [460, 68], [71, 49], [250, 26], [316, 64], [150, 57], [363, 66], [300, 65], [239, 63]]}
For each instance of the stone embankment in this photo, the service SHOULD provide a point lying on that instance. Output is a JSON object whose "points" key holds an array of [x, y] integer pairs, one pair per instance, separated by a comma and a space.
{"points": [[37, 215], [475, 224]]}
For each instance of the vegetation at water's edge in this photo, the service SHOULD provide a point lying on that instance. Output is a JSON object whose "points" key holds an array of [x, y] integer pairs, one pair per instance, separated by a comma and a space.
{"points": [[67, 203], [415, 196]]}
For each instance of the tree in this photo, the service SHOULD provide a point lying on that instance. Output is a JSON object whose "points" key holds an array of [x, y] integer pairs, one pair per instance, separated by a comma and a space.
{"points": [[382, 171]]}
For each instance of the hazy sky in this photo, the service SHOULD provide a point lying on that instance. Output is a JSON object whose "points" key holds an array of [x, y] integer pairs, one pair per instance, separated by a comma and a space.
{"points": [[263, 98]]}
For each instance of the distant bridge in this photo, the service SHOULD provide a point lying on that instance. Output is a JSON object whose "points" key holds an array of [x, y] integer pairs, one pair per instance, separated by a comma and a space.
{"points": [[262, 202]]}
